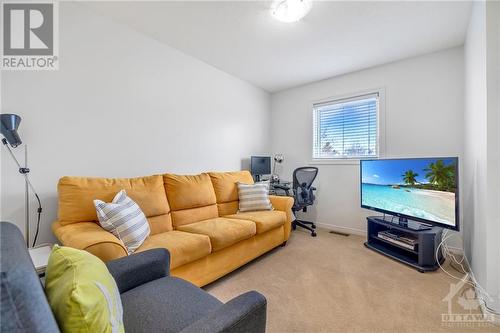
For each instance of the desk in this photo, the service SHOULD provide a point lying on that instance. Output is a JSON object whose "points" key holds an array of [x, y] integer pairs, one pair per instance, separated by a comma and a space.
{"points": [[282, 187]]}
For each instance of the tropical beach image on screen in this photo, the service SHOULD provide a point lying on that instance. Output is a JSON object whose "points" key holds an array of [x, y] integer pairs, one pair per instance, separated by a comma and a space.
{"points": [[422, 188]]}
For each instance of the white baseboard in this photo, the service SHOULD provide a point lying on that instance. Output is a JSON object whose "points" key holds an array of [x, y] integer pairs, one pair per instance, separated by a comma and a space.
{"points": [[483, 301], [342, 229], [487, 312], [361, 232]]}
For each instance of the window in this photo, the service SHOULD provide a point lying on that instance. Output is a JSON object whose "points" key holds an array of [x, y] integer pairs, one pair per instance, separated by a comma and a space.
{"points": [[347, 128]]}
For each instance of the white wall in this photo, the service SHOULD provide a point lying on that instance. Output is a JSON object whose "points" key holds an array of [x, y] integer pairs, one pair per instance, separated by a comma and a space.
{"points": [[493, 101], [482, 147], [475, 138], [423, 117], [124, 105], [493, 59]]}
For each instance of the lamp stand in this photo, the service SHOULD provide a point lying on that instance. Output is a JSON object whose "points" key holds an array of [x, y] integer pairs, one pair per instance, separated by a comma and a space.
{"points": [[24, 171], [275, 178]]}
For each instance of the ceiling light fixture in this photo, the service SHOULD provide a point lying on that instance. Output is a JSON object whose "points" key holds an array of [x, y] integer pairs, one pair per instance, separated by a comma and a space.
{"points": [[290, 10]]}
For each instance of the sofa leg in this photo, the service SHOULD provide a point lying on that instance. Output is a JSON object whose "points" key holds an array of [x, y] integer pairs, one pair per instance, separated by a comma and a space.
{"points": [[283, 244]]}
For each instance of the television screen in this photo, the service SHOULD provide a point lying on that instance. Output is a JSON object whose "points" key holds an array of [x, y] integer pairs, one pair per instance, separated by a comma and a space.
{"points": [[422, 189]]}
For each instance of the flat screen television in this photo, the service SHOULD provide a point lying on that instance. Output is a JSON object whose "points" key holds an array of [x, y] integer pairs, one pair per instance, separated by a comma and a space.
{"points": [[419, 189]]}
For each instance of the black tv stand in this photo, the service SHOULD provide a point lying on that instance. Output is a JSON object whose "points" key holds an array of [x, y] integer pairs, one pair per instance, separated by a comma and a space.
{"points": [[405, 223], [427, 238]]}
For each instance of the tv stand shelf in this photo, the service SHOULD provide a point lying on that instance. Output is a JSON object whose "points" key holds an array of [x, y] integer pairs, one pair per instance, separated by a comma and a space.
{"points": [[392, 244], [422, 258]]}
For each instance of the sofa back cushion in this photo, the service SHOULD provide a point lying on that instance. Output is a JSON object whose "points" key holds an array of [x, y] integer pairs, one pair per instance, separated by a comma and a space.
{"points": [[191, 198], [76, 196], [226, 189]]}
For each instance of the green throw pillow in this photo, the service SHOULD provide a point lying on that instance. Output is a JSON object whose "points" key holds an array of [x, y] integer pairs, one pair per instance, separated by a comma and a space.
{"points": [[82, 293]]}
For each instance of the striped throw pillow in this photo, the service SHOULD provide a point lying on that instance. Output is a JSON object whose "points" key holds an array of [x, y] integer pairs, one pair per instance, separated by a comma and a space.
{"points": [[254, 197], [124, 219]]}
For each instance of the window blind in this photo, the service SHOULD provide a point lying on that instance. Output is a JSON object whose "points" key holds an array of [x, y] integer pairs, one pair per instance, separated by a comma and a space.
{"points": [[346, 128]]}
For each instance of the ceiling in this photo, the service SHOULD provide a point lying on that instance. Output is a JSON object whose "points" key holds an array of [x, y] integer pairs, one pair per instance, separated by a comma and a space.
{"points": [[242, 38]]}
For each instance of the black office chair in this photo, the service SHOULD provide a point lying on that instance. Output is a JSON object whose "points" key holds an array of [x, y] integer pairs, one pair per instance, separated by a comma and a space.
{"points": [[303, 193]]}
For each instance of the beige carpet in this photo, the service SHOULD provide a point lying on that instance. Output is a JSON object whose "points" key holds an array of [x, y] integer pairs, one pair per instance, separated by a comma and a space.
{"points": [[333, 283]]}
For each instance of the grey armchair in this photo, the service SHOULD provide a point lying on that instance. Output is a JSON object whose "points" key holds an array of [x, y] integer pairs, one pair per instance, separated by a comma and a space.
{"points": [[152, 300]]}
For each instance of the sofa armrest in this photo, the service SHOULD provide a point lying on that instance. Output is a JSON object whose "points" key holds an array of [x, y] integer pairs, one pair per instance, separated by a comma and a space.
{"points": [[139, 268], [284, 204], [91, 237], [245, 313]]}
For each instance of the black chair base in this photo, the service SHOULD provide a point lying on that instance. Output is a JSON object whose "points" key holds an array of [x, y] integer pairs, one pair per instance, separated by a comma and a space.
{"points": [[306, 225]]}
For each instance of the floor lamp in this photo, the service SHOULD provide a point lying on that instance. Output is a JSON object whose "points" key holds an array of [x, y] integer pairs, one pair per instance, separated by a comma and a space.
{"points": [[9, 125]]}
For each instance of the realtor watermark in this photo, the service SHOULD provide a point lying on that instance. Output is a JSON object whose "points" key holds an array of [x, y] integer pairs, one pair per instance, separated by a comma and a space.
{"points": [[464, 307], [468, 320], [30, 36]]}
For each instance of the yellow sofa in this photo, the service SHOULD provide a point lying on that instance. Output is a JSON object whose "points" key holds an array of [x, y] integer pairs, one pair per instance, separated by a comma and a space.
{"points": [[195, 217]]}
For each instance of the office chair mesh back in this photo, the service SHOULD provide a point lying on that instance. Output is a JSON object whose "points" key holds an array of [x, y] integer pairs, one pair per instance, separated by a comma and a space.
{"points": [[302, 182]]}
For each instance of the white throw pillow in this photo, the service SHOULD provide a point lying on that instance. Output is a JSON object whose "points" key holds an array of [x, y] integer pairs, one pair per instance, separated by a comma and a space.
{"points": [[254, 197], [124, 219]]}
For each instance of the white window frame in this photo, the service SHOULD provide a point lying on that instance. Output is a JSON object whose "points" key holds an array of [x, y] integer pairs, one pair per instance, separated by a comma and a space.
{"points": [[380, 127]]}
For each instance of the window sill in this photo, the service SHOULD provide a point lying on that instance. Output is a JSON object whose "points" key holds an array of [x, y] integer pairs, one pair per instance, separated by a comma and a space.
{"points": [[340, 161]]}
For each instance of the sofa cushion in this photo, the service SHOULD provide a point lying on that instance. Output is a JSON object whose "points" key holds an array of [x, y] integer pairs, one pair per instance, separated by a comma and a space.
{"points": [[225, 186], [223, 232], [191, 197], [186, 216], [264, 220], [184, 247], [226, 190], [185, 192], [160, 223], [228, 208], [165, 305], [76, 196]]}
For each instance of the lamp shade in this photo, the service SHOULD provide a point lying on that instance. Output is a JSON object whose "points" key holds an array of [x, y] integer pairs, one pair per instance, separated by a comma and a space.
{"points": [[10, 124]]}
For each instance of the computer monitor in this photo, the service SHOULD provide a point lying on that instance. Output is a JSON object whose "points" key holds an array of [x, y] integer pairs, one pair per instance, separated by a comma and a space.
{"points": [[260, 165]]}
